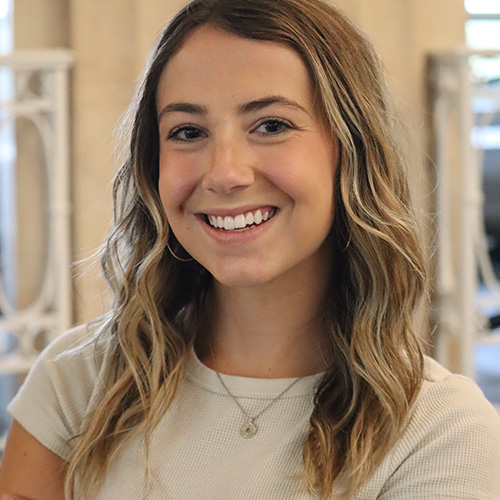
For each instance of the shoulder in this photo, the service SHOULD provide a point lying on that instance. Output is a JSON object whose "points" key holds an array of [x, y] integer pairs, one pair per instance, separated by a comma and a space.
{"points": [[82, 349], [75, 356], [452, 405], [451, 446], [451, 398], [54, 399], [72, 340]]}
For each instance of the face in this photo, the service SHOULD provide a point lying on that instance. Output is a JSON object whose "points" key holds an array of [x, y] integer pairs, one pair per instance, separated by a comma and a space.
{"points": [[246, 164]]}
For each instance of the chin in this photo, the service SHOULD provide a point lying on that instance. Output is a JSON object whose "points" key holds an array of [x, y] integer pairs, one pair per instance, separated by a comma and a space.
{"points": [[241, 279]]}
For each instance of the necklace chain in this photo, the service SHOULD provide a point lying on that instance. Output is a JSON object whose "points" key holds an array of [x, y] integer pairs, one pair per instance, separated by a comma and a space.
{"points": [[250, 428]]}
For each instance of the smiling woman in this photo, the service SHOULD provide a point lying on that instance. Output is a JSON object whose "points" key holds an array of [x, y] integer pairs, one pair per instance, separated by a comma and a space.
{"points": [[266, 272], [247, 145]]}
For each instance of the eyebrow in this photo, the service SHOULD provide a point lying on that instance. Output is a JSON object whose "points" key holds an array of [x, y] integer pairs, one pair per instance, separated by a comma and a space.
{"points": [[249, 107]]}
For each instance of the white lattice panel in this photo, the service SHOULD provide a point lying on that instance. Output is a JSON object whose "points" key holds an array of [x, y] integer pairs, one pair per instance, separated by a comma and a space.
{"points": [[456, 90], [41, 99]]}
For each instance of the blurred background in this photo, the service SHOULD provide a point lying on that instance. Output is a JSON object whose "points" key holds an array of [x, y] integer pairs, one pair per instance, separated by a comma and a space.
{"points": [[67, 74]]}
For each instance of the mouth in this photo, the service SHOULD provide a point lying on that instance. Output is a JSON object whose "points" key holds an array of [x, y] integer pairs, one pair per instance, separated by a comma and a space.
{"points": [[241, 222]]}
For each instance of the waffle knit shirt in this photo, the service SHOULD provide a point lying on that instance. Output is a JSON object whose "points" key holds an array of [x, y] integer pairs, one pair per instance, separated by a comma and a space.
{"points": [[450, 450]]}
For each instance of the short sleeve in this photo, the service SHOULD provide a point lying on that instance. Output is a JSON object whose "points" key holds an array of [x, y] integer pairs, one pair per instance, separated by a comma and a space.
{"points": [[451, 449], [53, 400]]}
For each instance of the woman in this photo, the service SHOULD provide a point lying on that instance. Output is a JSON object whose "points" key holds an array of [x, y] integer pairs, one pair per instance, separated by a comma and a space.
{"points": [[266, 269]]}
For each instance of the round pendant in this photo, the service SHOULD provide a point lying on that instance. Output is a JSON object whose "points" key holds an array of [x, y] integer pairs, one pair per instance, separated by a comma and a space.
{"points": [[249, 429]]}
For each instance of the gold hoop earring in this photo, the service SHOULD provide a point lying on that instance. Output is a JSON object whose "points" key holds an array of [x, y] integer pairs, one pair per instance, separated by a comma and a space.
{"points": [[177, 257], [348, 243]]}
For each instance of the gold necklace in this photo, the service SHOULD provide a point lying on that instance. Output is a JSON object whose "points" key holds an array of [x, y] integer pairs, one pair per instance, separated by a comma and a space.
{"points": [[250, 428]]}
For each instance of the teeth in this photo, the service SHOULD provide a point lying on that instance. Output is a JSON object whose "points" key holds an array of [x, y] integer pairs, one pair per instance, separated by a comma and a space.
{"points": [[240, 221]]}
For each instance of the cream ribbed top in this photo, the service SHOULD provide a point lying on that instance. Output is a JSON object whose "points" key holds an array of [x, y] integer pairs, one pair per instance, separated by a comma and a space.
{"points": [[451, 449]]}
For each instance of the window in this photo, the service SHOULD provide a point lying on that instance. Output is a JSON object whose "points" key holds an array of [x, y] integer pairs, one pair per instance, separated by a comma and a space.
{"points": [[483, 25], [482, 32], [7, 203]]}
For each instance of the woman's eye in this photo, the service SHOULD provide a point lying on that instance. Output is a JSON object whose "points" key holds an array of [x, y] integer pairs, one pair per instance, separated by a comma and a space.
{"points": [[186, 133], [273, 126]]}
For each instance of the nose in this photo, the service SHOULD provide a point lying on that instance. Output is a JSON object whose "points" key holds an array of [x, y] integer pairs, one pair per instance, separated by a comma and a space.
{"points": [[229, 167]]}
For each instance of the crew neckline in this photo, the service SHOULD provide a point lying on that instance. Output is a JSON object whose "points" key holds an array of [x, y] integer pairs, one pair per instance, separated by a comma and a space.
{"points": [[247, 387]]}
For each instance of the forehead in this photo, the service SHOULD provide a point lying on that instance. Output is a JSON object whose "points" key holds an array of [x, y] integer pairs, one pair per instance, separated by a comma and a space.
{"points": [[214, 62]]}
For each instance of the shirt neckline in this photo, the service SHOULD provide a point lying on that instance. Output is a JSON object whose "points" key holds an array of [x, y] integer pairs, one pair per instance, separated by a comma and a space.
{"points": [[247, 387]]}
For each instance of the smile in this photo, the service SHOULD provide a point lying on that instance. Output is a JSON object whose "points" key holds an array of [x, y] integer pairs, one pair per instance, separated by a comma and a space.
{"points": [[240, 222]]}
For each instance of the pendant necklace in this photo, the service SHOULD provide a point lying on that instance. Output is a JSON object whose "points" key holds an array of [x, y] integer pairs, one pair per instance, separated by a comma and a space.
{"points": [[250, 428]]}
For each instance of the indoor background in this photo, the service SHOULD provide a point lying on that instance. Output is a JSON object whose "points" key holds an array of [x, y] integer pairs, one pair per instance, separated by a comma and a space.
{"points": [[109, 42]]}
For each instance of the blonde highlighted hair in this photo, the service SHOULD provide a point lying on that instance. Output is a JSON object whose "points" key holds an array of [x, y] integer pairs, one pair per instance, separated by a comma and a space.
{"points": [[362, 403]]}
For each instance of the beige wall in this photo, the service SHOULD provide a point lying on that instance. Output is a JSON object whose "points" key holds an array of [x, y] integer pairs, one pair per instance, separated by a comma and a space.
{"points": [[403, 32], [40, 23], [103, 40], [111, 40]]}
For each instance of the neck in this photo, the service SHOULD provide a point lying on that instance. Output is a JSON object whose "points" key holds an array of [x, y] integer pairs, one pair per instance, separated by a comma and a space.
{"points": [[271, 331]]}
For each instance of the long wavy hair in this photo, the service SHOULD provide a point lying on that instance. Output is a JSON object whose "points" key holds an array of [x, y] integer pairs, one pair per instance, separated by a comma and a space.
{"points": [[363, 401]]}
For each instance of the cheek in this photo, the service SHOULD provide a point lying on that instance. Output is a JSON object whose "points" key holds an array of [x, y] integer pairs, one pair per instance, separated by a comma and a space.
{"points": [[306, 174], [323, 171], [173, 185], [164, 189]]}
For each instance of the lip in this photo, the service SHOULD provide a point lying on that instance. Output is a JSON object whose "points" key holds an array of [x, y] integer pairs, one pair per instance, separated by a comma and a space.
{"points": [[237, 236]]}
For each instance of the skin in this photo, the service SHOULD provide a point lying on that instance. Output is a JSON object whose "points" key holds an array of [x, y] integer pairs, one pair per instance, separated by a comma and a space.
{"points": [[24, 454], [269, 284], [219, 154]]}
